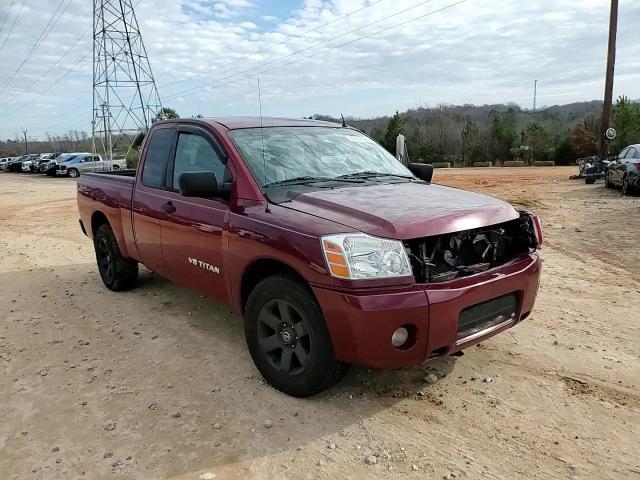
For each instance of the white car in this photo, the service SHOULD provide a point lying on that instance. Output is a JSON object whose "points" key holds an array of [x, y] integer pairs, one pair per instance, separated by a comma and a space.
{"points": [[4, 163], [87, 163]]}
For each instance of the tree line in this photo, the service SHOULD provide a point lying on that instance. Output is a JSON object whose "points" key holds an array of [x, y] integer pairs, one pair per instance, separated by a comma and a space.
{"points": [[466, 134]]}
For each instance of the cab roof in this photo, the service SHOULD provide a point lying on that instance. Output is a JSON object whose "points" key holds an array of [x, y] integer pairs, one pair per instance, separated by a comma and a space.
{"points": [[234, 123]]}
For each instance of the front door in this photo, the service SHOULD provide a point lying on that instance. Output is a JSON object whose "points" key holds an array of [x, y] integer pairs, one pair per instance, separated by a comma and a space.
{"points": [[194, 231]]}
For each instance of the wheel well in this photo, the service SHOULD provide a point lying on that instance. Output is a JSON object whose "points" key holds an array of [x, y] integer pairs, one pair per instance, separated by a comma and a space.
{"points": [[98, 219], [261, 269]]}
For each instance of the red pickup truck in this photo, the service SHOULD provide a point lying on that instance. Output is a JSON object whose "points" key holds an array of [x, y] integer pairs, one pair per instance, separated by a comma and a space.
{"points": [[331, 249]]}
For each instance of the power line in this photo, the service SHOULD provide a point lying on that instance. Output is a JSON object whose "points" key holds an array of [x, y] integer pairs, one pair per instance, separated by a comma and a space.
{"points": [[291, 37], [56, 64], [33, 84], [69, 70], [43, 35], [4, 20], [215, 84], [204, 85], [15, 20]]}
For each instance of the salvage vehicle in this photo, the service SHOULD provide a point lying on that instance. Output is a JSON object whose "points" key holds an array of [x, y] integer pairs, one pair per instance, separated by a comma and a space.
{"points": [[624, 171], [87, 162], [28, 162], [332, 250], [4, 163], [15, 165]]}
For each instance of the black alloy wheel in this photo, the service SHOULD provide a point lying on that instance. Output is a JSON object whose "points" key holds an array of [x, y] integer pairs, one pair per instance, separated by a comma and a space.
{"points": [[105, 260], [288, 338], [117, 273], [283, 335]]}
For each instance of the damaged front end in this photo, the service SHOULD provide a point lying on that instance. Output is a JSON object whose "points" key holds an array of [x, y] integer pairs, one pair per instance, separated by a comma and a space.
{"points": [[445, 257]]}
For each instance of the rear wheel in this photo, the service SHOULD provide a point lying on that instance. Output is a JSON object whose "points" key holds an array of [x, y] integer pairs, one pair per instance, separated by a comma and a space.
{"points": [[117, 273], [73, 173], [288, 339], [590, 180]]}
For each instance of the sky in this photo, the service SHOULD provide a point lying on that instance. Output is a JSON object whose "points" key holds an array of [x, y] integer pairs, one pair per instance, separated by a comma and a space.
{"points": [[360, 58]]}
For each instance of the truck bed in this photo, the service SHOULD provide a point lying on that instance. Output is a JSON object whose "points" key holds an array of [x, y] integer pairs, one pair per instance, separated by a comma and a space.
{"points": [[109, 193]]}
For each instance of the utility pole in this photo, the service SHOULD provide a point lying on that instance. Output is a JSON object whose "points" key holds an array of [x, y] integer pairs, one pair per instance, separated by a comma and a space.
{"points": [[535, 94], [608, 87], [26, 142]]}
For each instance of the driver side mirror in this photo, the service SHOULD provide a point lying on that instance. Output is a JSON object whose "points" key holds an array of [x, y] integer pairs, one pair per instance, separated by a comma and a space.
{"points": [[201, 184], [423, 171]]}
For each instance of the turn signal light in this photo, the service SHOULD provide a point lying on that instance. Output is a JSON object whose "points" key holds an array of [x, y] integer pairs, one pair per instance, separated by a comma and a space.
{"points": [[335, 259]]}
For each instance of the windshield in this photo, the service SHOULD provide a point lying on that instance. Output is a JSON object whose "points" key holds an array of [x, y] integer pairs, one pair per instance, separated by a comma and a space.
{"points": [[312, 152]]}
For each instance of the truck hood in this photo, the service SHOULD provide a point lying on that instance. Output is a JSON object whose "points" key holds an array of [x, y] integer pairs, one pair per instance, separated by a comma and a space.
{"points": [[404, 210]]}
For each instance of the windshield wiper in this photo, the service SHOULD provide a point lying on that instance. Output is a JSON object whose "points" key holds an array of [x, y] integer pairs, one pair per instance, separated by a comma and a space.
{"points": [[367, 174], [308, 179]]}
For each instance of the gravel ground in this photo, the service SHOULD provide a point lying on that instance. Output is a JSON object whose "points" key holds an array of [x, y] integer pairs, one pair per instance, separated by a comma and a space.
{"points": [[157, 383]]}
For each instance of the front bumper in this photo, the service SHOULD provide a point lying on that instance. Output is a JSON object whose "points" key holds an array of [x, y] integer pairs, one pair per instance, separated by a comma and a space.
{"points": [[362, 322]]}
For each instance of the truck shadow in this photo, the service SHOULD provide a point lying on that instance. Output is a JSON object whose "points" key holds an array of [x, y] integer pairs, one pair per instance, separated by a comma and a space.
{"points": [[170, 368]]}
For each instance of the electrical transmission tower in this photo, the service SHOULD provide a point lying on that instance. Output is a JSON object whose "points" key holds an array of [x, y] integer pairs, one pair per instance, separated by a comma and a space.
{"points": [[125, 97]]}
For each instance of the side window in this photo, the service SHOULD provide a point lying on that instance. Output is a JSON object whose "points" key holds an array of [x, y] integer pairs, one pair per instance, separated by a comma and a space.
{"points": [[195, 154], [156, 157], [637, 155]]}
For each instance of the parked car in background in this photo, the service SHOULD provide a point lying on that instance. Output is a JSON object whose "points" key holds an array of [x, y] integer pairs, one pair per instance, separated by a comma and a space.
{"points": [[4, 163], [15, 165], [37, 164], [27, 163], [624, 171], [50, 167], [85, 163]]}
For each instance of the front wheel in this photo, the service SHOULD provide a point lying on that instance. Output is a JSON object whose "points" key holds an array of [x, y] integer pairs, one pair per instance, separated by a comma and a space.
{"points": [[590, 180], [117, 273], [73, 173], [288, 338], [607, 182]]}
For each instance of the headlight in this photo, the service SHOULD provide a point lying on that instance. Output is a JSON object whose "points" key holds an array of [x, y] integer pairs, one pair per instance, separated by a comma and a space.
{"points": [[358, 256]]}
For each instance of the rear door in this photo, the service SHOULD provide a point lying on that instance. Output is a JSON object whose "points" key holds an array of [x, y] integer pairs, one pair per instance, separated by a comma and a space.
{"points": [[195, 229], [149, 199], [86, 164]]}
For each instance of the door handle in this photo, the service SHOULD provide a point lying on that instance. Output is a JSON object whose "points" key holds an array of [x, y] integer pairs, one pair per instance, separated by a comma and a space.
{"points": [[168, 207]]}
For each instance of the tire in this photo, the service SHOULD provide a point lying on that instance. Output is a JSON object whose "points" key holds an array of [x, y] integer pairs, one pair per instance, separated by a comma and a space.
{"points": [[607, 183], [115, 167], [73, 173], [288, 338], [117, 273], [626, 188], [590, 180]]}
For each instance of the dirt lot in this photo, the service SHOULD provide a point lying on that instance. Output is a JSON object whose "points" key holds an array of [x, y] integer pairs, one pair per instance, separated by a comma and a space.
{"points": [[157, 383]]}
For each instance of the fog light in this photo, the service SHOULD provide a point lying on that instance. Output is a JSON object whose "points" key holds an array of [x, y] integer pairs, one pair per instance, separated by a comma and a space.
{"points": [[399, 337]]}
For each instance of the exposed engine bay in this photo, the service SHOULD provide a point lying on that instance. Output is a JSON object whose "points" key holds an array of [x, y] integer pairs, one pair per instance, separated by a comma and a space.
{"points": [[446, 257]]}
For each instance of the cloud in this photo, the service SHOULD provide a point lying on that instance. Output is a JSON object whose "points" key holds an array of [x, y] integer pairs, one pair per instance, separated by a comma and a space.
{"points": [[206, 56]]}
